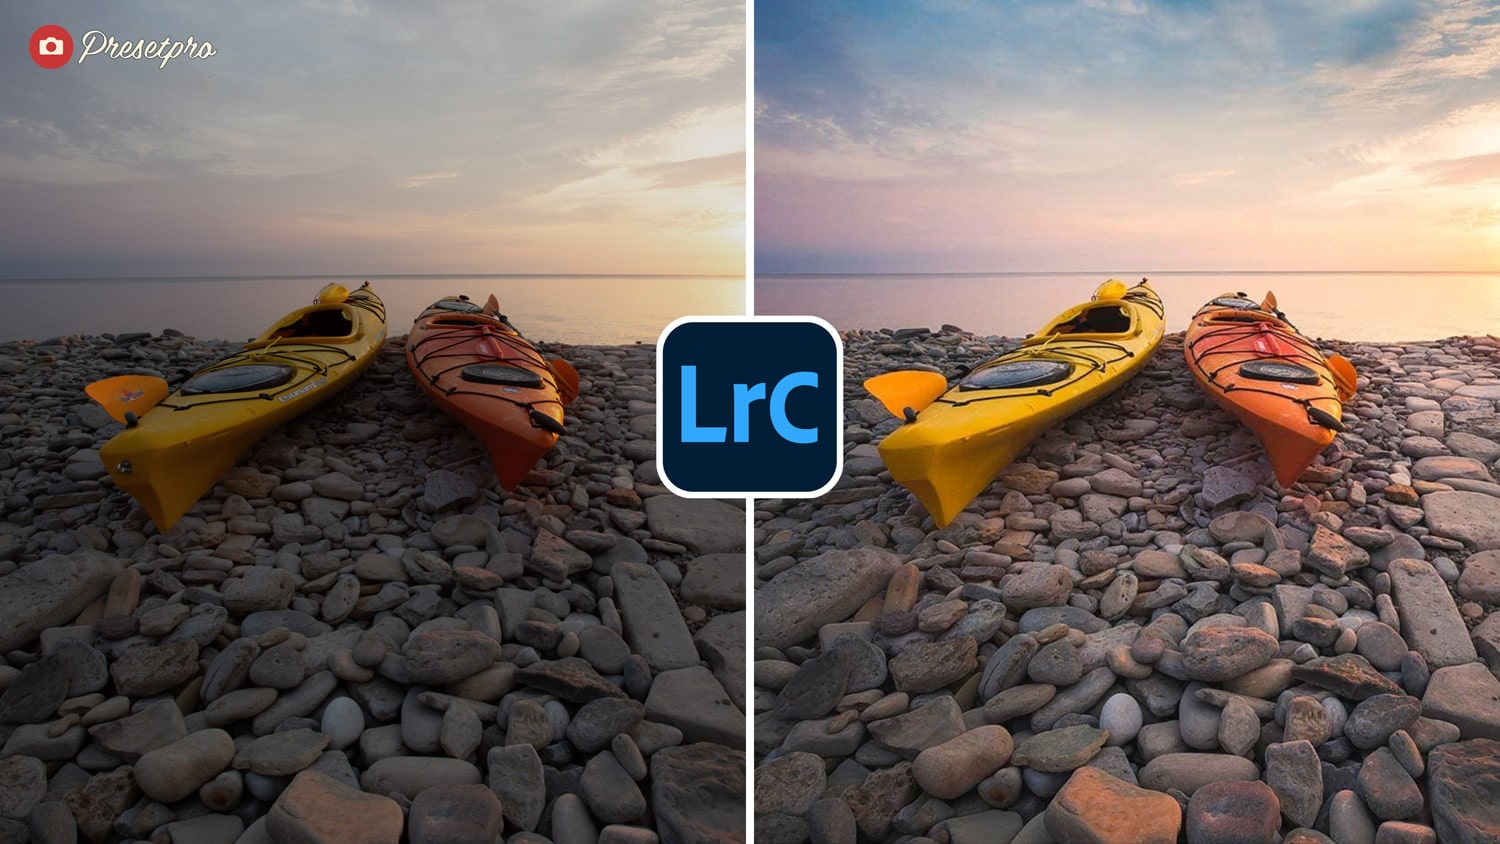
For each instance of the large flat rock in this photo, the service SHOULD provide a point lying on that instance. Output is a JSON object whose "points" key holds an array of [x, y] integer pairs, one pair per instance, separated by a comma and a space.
{"points": [[50, 593], [1430, 622], [1466, 695], [653, 623], [1472, 518], [721, 643], [692, 700], [702, 525], [826, 589]]}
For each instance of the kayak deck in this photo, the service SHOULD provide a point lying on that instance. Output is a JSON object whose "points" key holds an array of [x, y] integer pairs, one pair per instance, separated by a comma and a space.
{"points": [[952, 449], [480, 370], [1255, 364], [178, 450]]}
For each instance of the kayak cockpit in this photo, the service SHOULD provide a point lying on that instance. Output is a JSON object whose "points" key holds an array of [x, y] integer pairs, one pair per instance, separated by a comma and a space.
{"points": [[327, 323], [1102, 319]]}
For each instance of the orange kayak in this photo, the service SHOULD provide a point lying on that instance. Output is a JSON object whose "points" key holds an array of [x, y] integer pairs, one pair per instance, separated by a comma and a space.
{"points": [[1259, 367], [479, 369]]}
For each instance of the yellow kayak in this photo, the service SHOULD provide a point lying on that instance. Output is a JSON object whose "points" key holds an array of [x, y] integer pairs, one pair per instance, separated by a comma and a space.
{"points": [[170, 456], [957, 440]]}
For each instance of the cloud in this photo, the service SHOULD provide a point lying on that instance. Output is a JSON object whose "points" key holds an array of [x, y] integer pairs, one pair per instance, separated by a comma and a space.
{"points": [[401, 121], [941, 132], [1457, 40], [425, 179], [1201, 176]]}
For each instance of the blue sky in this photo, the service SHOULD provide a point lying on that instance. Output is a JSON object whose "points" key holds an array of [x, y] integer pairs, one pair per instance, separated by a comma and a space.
{"points": [[375, 136], [942, 135]]}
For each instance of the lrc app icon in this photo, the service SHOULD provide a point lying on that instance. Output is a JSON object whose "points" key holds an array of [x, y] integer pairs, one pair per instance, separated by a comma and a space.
{"points": [[750, 406]]}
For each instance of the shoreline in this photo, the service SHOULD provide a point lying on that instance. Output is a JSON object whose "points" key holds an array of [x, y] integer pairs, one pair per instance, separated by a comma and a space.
{"points": [[355, 622], [1135, 596]]}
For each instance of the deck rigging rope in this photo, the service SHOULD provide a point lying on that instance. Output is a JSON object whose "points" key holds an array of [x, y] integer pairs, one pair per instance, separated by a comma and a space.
{"points": [[461, 334], [294, 353], [1306, 354], [1139, 294]]}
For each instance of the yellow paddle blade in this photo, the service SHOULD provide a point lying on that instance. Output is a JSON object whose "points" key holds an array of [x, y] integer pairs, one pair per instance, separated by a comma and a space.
{"points": [[567, 377], [133, 394], [913, 388], [492, 306], [331, 293], [1344, 376], [1269, 303]]}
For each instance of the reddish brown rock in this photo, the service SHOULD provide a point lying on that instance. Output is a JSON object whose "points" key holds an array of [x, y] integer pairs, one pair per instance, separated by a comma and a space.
{"points": [[319, 808], [1096, 808], [1234, 813], [955, 767], [1463, 781], [877, 799], [1216, 654], [1346, 675], [102, 799], [451, 814]]}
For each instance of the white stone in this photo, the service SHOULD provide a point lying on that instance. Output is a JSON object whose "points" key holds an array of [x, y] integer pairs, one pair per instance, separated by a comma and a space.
{"points": [[1122, 717]]}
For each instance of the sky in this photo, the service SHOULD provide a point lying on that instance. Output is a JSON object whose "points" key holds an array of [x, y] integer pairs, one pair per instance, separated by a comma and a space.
{"points": [[377, 137], [1126, 135]]}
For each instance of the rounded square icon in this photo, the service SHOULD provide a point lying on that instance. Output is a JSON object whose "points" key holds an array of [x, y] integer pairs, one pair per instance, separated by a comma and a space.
{"points": [[749, 407]]}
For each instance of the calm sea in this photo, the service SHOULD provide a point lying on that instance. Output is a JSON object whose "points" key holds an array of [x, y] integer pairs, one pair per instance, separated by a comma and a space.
{"points": [[1381, 307], [568, 309]]}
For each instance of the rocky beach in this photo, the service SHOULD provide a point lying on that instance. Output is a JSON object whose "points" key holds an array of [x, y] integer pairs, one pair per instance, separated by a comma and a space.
{"points": [[1134, 635], [356, 636]]}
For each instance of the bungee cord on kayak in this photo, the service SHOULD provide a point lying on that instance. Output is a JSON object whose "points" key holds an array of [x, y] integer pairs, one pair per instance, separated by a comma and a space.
{"points": [[514, 341], [1303, 354], [1255, 364], [479, 369], [1093, 364], [166, 461], [959, 438]]}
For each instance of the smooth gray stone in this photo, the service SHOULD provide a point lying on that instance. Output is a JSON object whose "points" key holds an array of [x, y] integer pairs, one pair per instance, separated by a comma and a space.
{"points": [[792, 606], [653, 623], [612, 796], [1079, 697], [703, 525], [156, 725], [691, 700], [51, 823], [410, 775], [721, 643], [421, 725], [257, 624], [1007, 665], [51, 592], [230, 669], [296, 703], [598, 722], [1465, 695], [1294, 772], [1039, 618], [1430, 622]]}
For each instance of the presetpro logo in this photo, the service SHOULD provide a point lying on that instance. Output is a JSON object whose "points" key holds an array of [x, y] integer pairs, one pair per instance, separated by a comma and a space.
{"points": [[51, 46], [749, 406]]}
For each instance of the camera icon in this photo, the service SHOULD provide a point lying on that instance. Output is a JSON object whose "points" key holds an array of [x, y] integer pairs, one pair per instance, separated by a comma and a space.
{"points": [[50, 47]]}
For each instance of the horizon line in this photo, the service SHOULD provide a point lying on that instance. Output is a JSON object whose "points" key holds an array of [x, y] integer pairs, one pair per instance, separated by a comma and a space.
{"points": [[1145, 273], [265, 277]]}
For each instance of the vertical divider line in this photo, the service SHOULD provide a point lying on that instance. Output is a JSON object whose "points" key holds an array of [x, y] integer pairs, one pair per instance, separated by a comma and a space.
{"points": [[749, 691]]}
